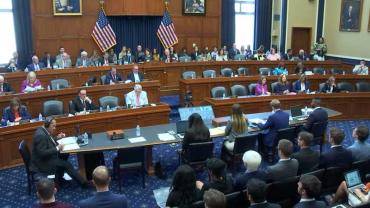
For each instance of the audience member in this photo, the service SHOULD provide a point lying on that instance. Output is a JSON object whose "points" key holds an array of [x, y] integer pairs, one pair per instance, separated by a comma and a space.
{"points": [[330, 86], [106, 60], [4, 86], [360, 148], [300, 69], [219, 180], [148, 56], [130, 56], [15, 112], [337, 156], [61, 52], [221, 56], [195, 54], [139, 55], [167, 58], [103, 198], [214, 53], [135, 75], [173, 54], [48, 60], [301, 85], [113, 77], [233, 52], [46, 193], [302, 55], [342, 192], [95, 58], [280, 69], [273, 56], [288, 56], [309, 187], [318, 115], [308, 159], [83, 60], [63, 62], [249, 52], [156, 56], [184, 53], [81, 103], [261, 87], [236, 126], [113, 56], [361, 69], [214, 199], [137, 97], [260, 54], [283, 86], [31, 84], [35, 66], [196, 133], [122, 54], [256, 194], [286, 167], [252, 161]]}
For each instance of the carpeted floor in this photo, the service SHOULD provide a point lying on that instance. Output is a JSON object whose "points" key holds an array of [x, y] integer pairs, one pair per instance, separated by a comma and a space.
{"points": [[13, 181]]}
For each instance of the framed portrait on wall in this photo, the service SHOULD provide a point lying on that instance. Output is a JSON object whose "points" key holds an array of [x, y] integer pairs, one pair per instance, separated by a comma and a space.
{"points": [[350, 16], [368, 24], [67, 7], [194, 7]]}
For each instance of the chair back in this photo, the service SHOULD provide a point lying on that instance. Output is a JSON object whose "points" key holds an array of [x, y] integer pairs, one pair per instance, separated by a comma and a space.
{"points": [[337, 71], [319, 129], [227, 72], [232, 199], [218, 92], [363, 166], [25, 154], [198, 204], [102, 79], [333, 176], [243, 71], [264, 71], [238, 90], [252, 88], [321, 86], [199, 151], [58, 84], [363, 87], [245, 143], [318, 173], [318, 70], [283, 192], [209, 73], [112, 101], [273, 86], [289, 133], [345, 86], [131, 155], [53, 108], [189, 75], [70, 106]]}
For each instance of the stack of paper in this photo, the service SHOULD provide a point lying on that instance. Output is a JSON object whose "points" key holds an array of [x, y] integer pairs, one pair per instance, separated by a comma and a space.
{"points": [[257, 121], [70, 143], [218, 131], [166, 137], [137, 139]]}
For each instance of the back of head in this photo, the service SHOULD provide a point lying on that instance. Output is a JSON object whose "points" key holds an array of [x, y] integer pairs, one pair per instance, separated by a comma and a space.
{"points": [[316, 102], [101, 176], [362, 133], [275, 103], [196, 123], [311, 185], [336, 136], [238, 121], [45, 189], [184, 179], [306, 137], [256, 190], [252, 160], [286, 147], [216, 167], [214, 199]]}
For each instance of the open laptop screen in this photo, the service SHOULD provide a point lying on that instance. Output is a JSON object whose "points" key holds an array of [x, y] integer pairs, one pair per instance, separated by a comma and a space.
{"points": [[206, 112], [295, 111], [352, 178]]}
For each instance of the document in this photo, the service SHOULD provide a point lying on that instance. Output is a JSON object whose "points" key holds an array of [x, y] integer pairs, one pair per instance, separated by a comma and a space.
{"points": [[137, 139], [70, 143], [161, 195], [71, 147], [218, 131], [257, 121], [166, 137]]}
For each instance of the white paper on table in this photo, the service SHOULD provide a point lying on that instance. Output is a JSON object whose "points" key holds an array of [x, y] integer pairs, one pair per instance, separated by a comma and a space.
{"points": [[67, 140], [73, 146], [137, 139], [166, 137], [65, 176], [218, 131], [257, 121]]}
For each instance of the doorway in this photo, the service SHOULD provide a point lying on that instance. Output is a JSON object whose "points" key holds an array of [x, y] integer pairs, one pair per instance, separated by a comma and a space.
{"points": [[301, 39]]}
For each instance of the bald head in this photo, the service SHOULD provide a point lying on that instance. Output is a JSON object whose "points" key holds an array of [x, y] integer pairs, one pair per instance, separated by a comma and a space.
{"points": [[101, 177]]}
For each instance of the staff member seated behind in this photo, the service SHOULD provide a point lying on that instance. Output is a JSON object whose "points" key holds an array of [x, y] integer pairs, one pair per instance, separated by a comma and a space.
{"points": [[361, 69], [15, 112], [4, 87], [197, 132], [137, 97], [238, 125], [31, 84], [135, 75], [113, 77], [81, 102], [330, 86]]}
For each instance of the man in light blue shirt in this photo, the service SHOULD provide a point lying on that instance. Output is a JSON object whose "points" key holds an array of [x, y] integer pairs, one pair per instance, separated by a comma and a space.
{"points": [[360, 148]]}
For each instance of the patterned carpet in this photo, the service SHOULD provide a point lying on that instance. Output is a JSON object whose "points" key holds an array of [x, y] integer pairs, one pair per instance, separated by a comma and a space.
{"points": [[13, 181]]}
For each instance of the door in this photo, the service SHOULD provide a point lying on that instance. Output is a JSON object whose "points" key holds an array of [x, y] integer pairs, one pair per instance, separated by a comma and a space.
{"points": [[301, 39]]}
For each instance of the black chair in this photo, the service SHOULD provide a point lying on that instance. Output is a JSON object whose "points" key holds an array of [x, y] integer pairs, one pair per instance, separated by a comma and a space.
{"points": [[264, 71], [241, 145], [243, 71], [252, 88], [333, 176], [197, 153], [53, 108], [363, 167], [273, 86], [318, 131], [209, 73], [232, 200], [321, 86], [189, 75], [70, 106], [227, 72], [218, 92], [198, 204], [102, 79], [129, 159], [318, 173], [57, 84], [238, 90], [112, 101], [336, 71], [363, 87], [345, 86], [283, 192], [319, 70], [289, 133]]}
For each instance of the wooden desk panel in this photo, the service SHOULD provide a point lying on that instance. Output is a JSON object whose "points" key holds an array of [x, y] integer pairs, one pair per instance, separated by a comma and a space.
{"points": [[34, 101], [201, 87], [352, 105], [10, 137]]}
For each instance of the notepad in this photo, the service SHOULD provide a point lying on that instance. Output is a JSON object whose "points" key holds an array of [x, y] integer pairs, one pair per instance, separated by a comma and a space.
{"points": [[257, 121], [67, 140], [166, 137], [218, 131], [137, 139], [71, 147]]}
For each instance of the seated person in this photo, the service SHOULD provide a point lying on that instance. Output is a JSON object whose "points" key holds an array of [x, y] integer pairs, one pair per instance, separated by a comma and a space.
{"points": [[360, 148], [361, 69], [105, 60], [286, 167], [155, 55], [303, 56], [221, 56], [113, 77], [46, 194], [308, 159], [260, 54], [167, 57], [103, 197], [139, 55], [256, 194], [195, 54], [280, 69], [63, 62], [48, 60], [236, 126], [214, 199], [15, 112], [337, 156], [184, 53], [342, 193], [135, 75], [300, 69], [309, 187], [95, 58], [147, 56], [83, 60], [173, 53], [273, 56], [218, 178], [4, 87], [261, 87], [197, 132], [214, 53], [252, 161], [113, 56], [233, 51], [31, 84], [283, 86], [301, 85], [12, 66], [288, 56], [318, 115], [330, 86], [81, 102], [35, 66], [185, 189], [137, 97], [122, 54]]}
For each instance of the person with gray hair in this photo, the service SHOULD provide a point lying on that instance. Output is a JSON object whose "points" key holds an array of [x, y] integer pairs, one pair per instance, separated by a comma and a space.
{"points": [[4, 87], [214, 199], [35, 65], [252, 161], [63, 62], [137, 97], [83, 60]]}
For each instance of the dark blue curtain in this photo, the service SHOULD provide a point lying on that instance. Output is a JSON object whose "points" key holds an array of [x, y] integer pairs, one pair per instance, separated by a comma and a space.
{"points": [[136, 30], [23, 31], [228, 23], [262, 23], [283, 17], [320, 19]]}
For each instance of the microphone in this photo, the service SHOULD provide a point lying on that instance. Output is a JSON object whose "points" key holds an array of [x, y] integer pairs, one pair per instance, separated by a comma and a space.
{"points": [[77, 130]]}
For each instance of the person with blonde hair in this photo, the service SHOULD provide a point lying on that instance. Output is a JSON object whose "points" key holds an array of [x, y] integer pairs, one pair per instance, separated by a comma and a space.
{"points": [[31, 84], [238, 125]]}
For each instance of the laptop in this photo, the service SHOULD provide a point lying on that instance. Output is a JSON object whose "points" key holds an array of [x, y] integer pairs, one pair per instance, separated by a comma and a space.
{"points": [[353, 181], [181, 127], [296, 112]]}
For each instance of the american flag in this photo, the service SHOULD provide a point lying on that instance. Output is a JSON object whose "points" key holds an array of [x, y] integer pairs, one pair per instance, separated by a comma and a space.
{"points": [[166, 31], [103, 33]]}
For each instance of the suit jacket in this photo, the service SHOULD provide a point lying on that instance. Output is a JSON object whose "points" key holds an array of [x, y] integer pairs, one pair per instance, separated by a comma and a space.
{"points": [[283, 169], [297, 86], [31, 67], [307, 159], [265, 205], [109, 78], [336, 157], [131, 76], [59, 63], [311, 204], [195, 55], [242, 180], [303, 57], [78, 106], [360, 150], [233, 52], [44, 60], [104, 200], [276, 121], [280, 88], [191, 137], [7, 87], [79, 63], [326, 88], [139, 57], [8, 114], [102, 61], [318, 115], [131, 98], [287, 57]]}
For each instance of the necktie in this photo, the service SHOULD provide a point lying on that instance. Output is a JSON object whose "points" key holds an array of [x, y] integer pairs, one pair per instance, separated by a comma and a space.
{"points": [[63, 64], [37, 68], [1, 88], [137, 100], [83, 62]]}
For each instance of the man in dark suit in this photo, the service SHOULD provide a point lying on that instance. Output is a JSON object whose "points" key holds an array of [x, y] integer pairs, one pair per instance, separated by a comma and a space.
{"points": [[233, 52], [286, 167], [303, 56], [337, 156], [256, 194], [103, 197], [81, 102], [46, 156], [48, 60], [252, 161], [135, 75], [4, 87], [113, 77], [278, 120], [309, 187], [318, 115], [35, 66], [106, 60], [195, 54], [46, 193], [288, 56], [139, 55], [307, 158]]}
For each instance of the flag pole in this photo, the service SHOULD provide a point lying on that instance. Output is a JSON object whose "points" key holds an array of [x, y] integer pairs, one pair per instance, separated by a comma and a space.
{"points": [[101, 2]]}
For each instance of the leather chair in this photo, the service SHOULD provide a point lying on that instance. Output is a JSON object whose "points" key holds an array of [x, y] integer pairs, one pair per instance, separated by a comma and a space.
{"points": [[227, 72], [321, 86], [242, 71], [345, 86], [273, 86], [333, 177], [337, 71], [102, 79], [283, 192], [197, 153], [238, 90], [252, 88], [218, 92], [363, 167], [53, 108], [241, 145], [112, 101], [289, 133], [189, 75], [363, 87], [209, 73], [264, 71], [318, 173], [56, 84], [319, 70]]}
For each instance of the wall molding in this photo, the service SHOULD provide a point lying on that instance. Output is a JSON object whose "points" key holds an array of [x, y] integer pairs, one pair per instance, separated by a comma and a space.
{"points": [[346, 59]]}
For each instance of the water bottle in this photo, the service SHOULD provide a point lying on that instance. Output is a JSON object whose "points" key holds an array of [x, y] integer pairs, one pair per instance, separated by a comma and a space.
{"points": [[40, 117], [111, 82], [86, 84], [269, 73], [108, 108], [192, 76], [305, 110], [324, 72], [48, 87], [223, 95], [101, 109], [232, 74], [8, 123], [137, 130], [57, 86], [344, 73]]}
